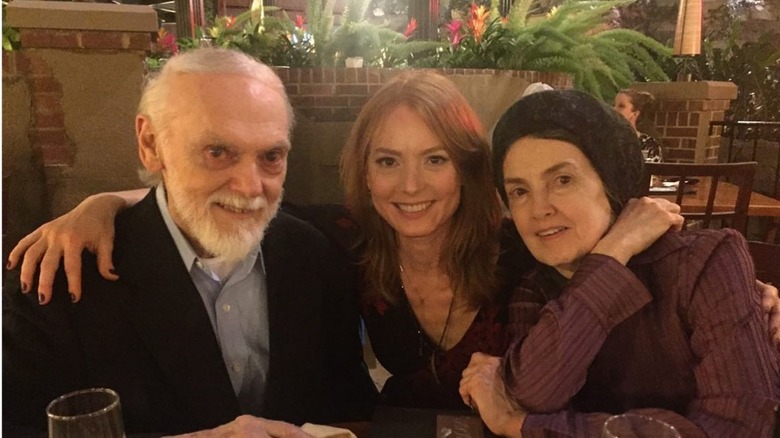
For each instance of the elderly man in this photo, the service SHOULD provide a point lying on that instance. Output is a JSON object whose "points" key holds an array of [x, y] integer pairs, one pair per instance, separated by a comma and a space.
{"points": [[224, 306]]}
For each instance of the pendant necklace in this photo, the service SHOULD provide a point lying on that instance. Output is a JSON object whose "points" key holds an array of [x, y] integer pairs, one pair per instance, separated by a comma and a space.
{"points": [[421, 337]]}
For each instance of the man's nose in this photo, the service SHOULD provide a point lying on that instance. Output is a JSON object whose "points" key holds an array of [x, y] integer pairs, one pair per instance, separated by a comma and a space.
{"points": [[247, 179]]}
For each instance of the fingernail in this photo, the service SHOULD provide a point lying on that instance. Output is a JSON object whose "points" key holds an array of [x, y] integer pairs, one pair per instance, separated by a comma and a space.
{"points": [[8, 265], [112, 270], [72, 297], [24, 287], [40, 298]]}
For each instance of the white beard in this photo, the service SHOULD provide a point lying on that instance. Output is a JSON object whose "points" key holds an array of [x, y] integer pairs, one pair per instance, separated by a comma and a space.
{"points": [[198, 224]]}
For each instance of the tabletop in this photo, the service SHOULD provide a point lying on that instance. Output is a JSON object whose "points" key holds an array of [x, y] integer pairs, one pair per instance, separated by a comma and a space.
{"points": [[694, 203], [395, 422]]}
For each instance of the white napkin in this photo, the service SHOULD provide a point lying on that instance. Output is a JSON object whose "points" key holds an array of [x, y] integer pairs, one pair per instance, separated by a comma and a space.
{"points": [[322, 431]]}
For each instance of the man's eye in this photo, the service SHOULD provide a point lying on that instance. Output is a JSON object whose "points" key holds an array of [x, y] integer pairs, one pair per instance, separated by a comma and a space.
{"points": [[217, 152], [564, 179], [273, 156]]}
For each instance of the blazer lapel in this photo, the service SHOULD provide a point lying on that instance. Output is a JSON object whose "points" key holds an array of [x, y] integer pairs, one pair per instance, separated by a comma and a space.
{"points": [[170, 317]]}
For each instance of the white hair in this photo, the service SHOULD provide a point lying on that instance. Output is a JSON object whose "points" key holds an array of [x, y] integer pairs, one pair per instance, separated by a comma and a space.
{"points": [[154, 102]]}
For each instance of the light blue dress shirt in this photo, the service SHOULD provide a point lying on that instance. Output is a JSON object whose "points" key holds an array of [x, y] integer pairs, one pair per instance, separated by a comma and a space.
{"points": [[238, 308]]}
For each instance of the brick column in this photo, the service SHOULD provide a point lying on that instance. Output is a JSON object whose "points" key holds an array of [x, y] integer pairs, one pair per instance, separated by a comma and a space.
{"points": [[81, 65], [683, 114]]}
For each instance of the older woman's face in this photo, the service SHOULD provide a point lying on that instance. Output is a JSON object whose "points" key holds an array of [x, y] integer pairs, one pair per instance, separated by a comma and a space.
{"points": [[414, 184], [557, 201]]}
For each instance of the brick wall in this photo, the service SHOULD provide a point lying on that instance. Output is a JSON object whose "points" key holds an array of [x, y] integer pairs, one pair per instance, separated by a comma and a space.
{"points": [[683, 114], [47, 127], [71, 92], [337, 94]]}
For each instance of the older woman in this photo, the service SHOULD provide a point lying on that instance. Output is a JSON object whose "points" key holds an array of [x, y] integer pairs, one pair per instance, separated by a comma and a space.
{"points": [[674, 332]]}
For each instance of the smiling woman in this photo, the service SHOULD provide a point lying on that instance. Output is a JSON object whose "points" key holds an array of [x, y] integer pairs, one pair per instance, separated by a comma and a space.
{"points": [[417, 180], [674, 332]]}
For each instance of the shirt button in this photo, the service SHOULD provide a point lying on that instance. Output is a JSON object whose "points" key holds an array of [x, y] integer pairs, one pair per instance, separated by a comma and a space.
{"points": [[226, 307], [235, 367]]}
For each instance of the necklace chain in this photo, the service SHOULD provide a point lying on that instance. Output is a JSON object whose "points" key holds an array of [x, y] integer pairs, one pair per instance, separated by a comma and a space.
{"points": [[417, 293], [422, 299]]}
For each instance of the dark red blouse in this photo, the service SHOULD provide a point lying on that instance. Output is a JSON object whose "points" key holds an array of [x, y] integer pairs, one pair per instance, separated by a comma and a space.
{"points": [[399, 345]]}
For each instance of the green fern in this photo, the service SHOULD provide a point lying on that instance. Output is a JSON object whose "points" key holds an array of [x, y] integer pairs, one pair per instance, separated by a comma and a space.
{"points": [[572, 38]]}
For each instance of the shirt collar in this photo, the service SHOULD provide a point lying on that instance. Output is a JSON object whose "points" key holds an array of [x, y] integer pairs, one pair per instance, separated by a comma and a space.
{"points": [[186, 252]]}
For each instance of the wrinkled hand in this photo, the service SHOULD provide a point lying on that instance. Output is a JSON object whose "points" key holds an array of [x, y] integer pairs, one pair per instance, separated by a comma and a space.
{"points": [[249, 426], [771, 304], [89, 226], [640, 224], [483, 389]]}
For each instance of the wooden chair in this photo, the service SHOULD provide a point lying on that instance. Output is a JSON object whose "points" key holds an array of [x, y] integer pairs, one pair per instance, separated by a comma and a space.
{"points": [[702, 185], [766, 258]]}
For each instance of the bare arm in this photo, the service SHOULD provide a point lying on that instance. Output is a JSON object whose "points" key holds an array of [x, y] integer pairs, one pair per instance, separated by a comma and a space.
{"points": [[89, 226]]}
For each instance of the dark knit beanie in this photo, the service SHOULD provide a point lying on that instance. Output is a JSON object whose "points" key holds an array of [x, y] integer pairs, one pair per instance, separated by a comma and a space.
{"points": [[603, 135]]}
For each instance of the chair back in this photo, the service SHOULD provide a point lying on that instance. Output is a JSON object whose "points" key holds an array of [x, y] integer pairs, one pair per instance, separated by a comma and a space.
{"points": [[701, 185], [766, 258]]}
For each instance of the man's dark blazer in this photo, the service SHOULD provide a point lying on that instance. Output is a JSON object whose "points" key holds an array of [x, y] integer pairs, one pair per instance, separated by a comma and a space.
{"points": [[148, 335]]}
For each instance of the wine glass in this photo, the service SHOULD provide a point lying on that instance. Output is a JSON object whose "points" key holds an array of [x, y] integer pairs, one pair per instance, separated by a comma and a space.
{"points": [[637, 426], [94, 413]]}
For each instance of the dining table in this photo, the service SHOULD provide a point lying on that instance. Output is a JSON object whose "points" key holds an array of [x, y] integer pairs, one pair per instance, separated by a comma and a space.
{"points": [[695, 201], [397, 422]]}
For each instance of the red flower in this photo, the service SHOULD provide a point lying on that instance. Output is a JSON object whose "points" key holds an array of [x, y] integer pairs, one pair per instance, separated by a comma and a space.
{"points": [[454, 29], [230, 21], [410, 28], [299, 21], [166, 42]]}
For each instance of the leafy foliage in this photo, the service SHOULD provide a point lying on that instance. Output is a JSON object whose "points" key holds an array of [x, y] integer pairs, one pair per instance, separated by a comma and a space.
{"points": [[572, 38], [575, 37], [754, 67], [10, 35]]}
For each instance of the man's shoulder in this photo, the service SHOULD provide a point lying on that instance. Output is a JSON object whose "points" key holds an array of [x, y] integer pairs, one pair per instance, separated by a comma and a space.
{"points": [[289, 226], [288, 234]]}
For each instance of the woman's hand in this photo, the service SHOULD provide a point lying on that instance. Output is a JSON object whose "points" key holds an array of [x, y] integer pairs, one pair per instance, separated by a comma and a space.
{"points": [[249, 426], [640, 224], [89, 226], [771, 304], [483, 389]]}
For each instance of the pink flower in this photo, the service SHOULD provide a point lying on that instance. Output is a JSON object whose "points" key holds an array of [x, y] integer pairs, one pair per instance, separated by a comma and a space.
{"points": [[454, 29], [299, 22], [166, 42], [410, 28]]}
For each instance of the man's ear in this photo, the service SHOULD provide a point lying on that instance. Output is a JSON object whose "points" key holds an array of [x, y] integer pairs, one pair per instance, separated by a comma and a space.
{"points": [[147, 144]]}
